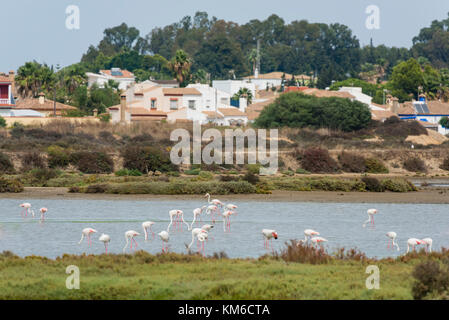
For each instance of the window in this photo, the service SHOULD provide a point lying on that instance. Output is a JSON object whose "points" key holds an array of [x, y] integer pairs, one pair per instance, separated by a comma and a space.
{"points": [[153, 104], [173, 104], [192, 104]]}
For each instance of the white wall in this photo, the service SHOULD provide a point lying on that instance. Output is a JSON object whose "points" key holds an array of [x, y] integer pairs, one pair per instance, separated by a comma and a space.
{"points": [[233, 86]]}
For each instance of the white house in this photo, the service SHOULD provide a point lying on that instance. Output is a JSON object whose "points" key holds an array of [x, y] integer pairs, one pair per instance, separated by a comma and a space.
{"points": [[233, 86], [212, 98], [274, 79], [123, 77], [360, 96]]}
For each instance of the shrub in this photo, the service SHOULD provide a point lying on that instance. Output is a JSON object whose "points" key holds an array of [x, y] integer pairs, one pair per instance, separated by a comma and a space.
{"points": [[445, 164], [225, 178], [2, 122], [92, 162], [205, 175], [398, 185], [400, 129], [253, 168], [302, 171], [33, 160], [375, 166], [42, 175], [317, 160], [430, 278], [193, 172], [146, 159], [127, 172], [6, 165], [414, 165], [373, 184], [251, 178], [12, 186], [96, 188], [351, 162], [57, 157], [300, 253]]}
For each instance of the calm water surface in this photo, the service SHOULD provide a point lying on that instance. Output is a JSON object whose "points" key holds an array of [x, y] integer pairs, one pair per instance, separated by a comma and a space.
{"points": [[340, 223]]}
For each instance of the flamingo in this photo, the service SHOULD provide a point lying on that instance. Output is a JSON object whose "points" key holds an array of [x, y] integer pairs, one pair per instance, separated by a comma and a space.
{"points": [[318, 240], [43, 211], [196, 213], [147, 226], [428, 242], [195, 233], [371, 213], [26, 209], [227, 220], [214, 201], [392, 236], [105, 239], [232, 207], [165, 237], [129, 235], [202, 237], [176, 214], [413, 242], [309, 233], [86, 233], [268, 235], [212, 209]]}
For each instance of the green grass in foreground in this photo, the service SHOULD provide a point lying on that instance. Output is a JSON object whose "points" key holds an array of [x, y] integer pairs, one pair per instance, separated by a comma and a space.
{"points": [[174, 276]]}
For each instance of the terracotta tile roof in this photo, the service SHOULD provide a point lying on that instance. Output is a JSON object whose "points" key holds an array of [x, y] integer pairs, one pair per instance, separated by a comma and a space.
{"points": [[328, 93], [48, 105], [125, 74], [172, 82], [213, 115], [180, 91], [232, 111], [435, 107], [381, 114], [5, 79]]}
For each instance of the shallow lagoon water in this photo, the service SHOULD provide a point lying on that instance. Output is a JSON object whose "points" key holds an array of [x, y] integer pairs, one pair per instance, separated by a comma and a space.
{"points": [[340, 223]]}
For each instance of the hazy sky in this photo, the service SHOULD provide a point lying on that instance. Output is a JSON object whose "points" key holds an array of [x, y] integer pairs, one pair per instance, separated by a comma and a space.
{"points": [[35, 30]]}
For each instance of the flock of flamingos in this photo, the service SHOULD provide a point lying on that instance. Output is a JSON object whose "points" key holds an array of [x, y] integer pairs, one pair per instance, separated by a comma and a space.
{"points": [[215, 208]]}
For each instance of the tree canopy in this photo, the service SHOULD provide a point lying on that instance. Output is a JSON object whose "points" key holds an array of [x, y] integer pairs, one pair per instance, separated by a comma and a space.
{"points": [[297, 110]]}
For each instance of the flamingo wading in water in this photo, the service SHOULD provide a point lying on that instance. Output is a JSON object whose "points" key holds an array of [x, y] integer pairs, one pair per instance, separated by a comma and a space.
{"points": [[413, 242], [391, 241], [308, 234], [26, 209], [86, 233], [196, 213], [213, 201], [428, 242], [175, 215], [147, 227], [318, 241], [371, 213], [105, 239], [227, 220], [268, 235], [43, 211], [165, 237], [129, 236]]}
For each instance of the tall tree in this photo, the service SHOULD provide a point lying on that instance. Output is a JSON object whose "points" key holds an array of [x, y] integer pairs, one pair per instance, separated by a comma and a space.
{"points": [[180, 66]]}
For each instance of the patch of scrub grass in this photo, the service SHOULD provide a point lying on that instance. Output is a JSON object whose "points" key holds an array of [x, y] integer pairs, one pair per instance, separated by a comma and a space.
{"points": [[174, 276]]}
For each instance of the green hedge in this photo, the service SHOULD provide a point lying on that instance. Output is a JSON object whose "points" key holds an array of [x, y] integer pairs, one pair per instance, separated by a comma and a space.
{"points": [[8, 185]]}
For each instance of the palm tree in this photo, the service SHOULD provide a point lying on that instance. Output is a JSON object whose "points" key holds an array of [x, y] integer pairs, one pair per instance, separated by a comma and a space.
{"points": [[244, 93], [73, 77], [180, 66], [34, 77], [252, 58]]}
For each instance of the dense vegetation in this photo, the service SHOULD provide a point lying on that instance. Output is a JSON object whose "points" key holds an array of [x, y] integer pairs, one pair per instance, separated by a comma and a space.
{"points": [[297, 110], [340, 275]]}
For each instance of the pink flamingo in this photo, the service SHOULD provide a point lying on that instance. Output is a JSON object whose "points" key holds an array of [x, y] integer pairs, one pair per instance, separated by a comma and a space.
{"points": [[213, 201], [317, 241], [371, 213], [227, 220], [176, 216], [413, 242], [428, 243], [197, 213], [26, 209], [86, 233], [212, 209], [165, 237], [147, 226], [105, 239], [129, 236], [391, 241], [268, 235], [43, 211]]}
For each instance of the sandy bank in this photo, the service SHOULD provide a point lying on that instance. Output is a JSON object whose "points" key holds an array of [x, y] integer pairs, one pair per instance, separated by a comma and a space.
{"points": [[423, 196]]}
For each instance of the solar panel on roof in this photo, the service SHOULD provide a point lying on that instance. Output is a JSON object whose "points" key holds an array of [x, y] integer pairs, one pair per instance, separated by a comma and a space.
{"points": [[116, 73], [425, 108]]}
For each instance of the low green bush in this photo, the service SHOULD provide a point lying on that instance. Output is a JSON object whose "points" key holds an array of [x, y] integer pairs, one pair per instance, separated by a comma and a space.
{"points": [[302, 171], [92, 162], [127, 172], [398, 185], [373, 184], [11, 186], [251, 178], [253, 168], [375, 166], [193, 172], [58, 157], [6, 166]]}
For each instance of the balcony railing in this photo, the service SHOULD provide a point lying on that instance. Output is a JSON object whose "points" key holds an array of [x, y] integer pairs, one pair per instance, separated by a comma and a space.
{"points": [[5, 101]]}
